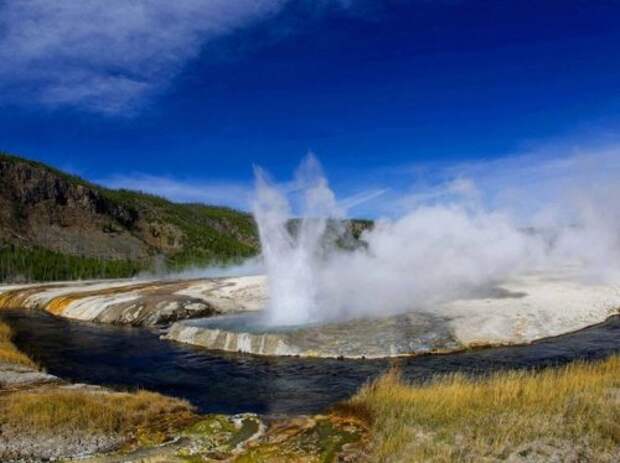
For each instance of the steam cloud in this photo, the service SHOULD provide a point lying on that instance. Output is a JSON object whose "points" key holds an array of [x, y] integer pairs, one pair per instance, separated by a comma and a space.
{"points": [[436, 250]]}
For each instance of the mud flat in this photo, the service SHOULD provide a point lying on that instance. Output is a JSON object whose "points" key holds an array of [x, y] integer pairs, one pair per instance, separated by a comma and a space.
{"points": [[520, 310], [139, 302]]}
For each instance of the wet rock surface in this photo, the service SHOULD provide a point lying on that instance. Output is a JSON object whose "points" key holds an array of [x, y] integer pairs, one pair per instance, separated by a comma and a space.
{"points": [[249, 438], [238, 438], [415, 333], [139, 303]]}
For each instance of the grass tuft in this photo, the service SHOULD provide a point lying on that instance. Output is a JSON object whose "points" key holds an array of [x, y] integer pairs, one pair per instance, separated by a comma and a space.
{"points": [[575, 409], [139, 414], [8, 351]]}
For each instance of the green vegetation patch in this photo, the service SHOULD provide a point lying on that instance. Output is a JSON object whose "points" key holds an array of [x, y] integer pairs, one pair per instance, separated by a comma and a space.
{"points": [[322, 442], [20, 264], [218, 436]]}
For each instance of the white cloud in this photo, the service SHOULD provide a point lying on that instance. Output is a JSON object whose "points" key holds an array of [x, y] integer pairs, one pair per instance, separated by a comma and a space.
{"points": [[238, 195], [549, 179], [231, 194], [108, 56], [528, 185]]}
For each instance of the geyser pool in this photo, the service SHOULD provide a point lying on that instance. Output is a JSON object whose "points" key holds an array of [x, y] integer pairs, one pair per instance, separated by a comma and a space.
{"points": [[517, 310], [360, 338], [249, 322]]}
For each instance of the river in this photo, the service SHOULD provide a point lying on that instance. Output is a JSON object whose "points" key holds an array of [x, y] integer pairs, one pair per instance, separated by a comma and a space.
{"points": [[132, 358]]}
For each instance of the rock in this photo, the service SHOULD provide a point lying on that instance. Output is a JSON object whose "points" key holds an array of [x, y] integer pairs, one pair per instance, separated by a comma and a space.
{"points": [[13, 376], [139, 302], [16, 447], [247, 437], [45, 208]]}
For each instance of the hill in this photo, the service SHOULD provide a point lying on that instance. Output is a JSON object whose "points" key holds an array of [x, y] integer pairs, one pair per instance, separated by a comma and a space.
{"points": [[58, 226]]}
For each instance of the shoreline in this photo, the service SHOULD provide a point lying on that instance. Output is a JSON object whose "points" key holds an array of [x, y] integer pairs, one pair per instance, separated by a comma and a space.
{"points": [[138, 302], [167, 428]]}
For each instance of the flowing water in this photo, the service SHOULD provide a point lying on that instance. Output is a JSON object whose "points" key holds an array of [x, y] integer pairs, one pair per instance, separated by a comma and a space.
{"points": [[130, 358]]}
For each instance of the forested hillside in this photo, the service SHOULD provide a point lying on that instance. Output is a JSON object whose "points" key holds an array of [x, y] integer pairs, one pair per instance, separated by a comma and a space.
{"points": [[58, 226]]}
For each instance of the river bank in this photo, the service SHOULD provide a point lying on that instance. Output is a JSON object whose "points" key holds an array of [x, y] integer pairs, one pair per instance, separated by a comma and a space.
{"points": [[43, 418], [569, 414]]}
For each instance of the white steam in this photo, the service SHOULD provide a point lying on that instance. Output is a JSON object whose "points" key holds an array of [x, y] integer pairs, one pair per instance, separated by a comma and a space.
{"points": [[431, 254], [294, 264]]}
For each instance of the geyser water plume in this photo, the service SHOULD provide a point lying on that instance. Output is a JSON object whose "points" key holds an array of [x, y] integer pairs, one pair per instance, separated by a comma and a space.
{"points": [[418, 259], [292, 260], [430, 255]]}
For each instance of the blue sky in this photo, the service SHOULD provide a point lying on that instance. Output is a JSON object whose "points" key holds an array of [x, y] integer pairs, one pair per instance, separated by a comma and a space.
{"points": [[182, 98]]}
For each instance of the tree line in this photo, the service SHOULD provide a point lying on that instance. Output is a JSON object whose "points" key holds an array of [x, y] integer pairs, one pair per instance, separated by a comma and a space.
{"points": [[21, 264]]}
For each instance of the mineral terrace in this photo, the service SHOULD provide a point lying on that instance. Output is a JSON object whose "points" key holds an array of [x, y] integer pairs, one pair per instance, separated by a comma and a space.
{"points": [[520, 310], [139, 302], [223, 314]]}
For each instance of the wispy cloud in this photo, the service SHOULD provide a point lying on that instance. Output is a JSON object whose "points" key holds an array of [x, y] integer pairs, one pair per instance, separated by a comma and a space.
{"points": [[362, 197], [109, 56], [528, 185], [221, 193]]}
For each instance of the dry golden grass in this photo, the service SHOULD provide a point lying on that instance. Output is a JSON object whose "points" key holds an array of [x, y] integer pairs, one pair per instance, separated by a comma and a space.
{"points": [[573, 411], [8, 351], [69, 410], [144, 415]]}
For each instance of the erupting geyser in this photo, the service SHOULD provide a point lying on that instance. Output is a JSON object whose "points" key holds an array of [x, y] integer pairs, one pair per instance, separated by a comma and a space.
{"points": [[292, 258]]}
